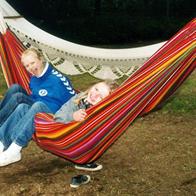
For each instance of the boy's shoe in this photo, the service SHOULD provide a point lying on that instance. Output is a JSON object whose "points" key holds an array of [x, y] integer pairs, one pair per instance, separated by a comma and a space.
{"points": [[77, 181], [6, 159], [89, 167], [1, 147], [1, 150]]}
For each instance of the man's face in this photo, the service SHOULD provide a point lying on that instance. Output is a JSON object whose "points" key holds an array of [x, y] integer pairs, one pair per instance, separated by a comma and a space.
{"points": [[33, 64]]}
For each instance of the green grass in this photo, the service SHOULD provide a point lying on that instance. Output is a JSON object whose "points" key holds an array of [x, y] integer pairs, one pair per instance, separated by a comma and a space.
{"points": [[3, 85], [184, 100]]}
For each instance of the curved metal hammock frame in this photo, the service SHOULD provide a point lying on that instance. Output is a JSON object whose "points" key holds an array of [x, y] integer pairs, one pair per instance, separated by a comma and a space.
{"points": [[74, 59], [148, 87]]}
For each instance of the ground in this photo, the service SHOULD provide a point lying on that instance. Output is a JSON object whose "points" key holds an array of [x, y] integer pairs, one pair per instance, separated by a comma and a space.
{"points": [[154, 156]]}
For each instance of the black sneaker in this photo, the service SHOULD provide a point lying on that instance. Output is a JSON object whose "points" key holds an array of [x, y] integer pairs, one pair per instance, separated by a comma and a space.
{"points": [[89, 167], [77, 181]]}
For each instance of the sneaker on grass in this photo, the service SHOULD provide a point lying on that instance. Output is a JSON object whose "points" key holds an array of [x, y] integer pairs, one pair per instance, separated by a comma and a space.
{"points": [[79, 180], [89, 167]]}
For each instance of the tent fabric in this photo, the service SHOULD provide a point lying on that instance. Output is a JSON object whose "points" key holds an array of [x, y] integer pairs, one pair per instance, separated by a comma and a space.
{"points": [[147, 88]]}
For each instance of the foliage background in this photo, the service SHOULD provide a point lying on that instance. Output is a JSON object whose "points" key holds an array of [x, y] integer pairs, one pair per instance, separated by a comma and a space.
{"points": [[108, 23]]}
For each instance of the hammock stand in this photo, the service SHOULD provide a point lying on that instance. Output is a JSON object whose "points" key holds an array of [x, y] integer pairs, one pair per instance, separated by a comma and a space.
{"points": [[152, 84]]}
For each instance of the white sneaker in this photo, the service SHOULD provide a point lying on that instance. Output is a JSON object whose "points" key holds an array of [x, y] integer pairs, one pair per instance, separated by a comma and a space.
{"points": [[89, 167], [79, 180], [6, 159], [1, 147], [1, 150]]}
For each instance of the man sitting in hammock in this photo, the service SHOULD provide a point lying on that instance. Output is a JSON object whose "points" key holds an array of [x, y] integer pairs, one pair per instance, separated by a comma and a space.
{"points": [[49, 91], [18, 128]]}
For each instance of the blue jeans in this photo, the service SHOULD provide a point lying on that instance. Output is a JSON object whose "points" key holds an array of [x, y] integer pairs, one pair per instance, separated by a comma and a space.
{"points": [[19, 126], [14, 96]]}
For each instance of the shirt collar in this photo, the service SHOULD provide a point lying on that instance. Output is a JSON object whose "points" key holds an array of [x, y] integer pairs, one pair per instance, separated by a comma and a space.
{"points": [[44, 71]]}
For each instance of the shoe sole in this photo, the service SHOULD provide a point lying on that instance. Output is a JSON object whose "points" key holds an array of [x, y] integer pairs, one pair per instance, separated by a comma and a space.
{"points": [[89, 169], [86, 182], [11, 162]]}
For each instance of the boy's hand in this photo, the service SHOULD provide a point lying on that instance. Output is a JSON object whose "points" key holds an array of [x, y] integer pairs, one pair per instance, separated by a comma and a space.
{"points": [[79, 115]]}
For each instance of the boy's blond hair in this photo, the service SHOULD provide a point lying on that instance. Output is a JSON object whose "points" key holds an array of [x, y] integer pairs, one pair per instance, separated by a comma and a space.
{"points": [[34, 51]]}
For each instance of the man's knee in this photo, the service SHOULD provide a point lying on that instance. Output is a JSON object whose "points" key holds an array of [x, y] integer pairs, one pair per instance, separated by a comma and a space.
{"points": [[22, 107], [15, 87], [19, 97], [39, 106]]}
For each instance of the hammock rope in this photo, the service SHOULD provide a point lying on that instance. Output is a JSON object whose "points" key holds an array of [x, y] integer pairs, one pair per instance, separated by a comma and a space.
{"points": [[146, 89]]}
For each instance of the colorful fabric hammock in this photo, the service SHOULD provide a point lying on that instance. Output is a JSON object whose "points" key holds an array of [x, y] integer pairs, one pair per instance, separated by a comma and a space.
{"points": [[152, 84]]}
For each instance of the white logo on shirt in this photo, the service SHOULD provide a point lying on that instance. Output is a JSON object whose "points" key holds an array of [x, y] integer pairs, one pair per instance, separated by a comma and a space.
{"points": [[43, 92]]}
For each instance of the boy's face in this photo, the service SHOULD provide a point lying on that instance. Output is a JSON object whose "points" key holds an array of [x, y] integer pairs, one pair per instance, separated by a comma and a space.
{"points": [[33, 64]]}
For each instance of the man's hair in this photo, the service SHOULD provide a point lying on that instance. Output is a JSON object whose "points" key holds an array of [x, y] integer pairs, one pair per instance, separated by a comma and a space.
{"points": [[35, 51]]}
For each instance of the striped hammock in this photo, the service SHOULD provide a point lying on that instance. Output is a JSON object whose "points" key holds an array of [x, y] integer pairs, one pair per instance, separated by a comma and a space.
{"points": [[152, 84]]}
